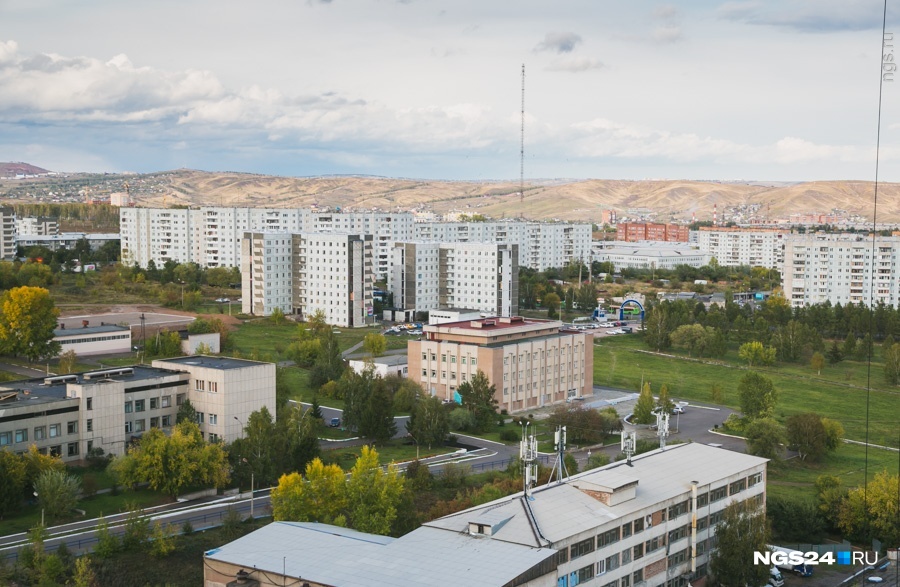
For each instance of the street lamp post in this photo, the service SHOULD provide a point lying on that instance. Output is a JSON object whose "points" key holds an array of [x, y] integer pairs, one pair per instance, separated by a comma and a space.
{"points": [[42, 511]]}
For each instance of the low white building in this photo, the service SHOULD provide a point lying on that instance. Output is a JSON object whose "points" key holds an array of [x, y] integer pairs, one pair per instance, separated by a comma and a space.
{"points": [[443, 315], [649, 255], [191, 343], [94, 340], [388, 365]]}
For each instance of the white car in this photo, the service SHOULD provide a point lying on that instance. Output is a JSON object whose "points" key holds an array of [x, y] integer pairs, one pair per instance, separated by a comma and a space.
{"points": [[678, 409]]}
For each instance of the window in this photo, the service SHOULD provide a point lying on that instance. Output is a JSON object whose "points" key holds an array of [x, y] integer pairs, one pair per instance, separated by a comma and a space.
{"points": [[679, 509], [22, 435], [678, 533], [214, 386], [562, 556], [213, 437], [639, 525], [167, 421], [72, 427], [608, 537], [582, 548], [40, 432], [213, 419], [5, 438], [166, 401], [626, 556], [55, 430], [154, 422], [474, 361], [702, 500], [128, 427], [612, 562], [717, 494], [128, 407], [654, 544], [702, 523], [139, 405], [179, 399], [56, 451], [199, 417], [638, 551], [626, 530], [585, 573], [638, 576], [754, 479], [737, 486], [200, 385], [89, 403], [139, 425], [72, 449], [90, 425], [154, 403], [677, 558], [90, 446]]}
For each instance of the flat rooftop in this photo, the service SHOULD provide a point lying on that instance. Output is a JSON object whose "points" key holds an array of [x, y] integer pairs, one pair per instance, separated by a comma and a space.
{"points": [[90, 330], [223, 363], [491, 324], [53, 388]]}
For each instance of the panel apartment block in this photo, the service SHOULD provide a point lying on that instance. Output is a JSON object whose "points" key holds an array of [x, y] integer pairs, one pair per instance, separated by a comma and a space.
{"points": [[742, 246], [7, 233], [37, 226], [531, 362], [841, 269], [304, 273], [479, 276]]}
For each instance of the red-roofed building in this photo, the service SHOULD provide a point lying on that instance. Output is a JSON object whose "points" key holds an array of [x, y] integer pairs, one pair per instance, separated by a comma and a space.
{"points": [[531, 362]]}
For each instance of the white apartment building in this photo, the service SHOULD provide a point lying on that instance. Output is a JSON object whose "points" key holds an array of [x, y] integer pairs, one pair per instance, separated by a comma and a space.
{"points": [[478, 276], [754, 247], [211, 235], [649, 255], [7, 233], [304, 273], [841, 269], [66, 240], [68, 415], [542, 245], [37, 226], [650, 523]]}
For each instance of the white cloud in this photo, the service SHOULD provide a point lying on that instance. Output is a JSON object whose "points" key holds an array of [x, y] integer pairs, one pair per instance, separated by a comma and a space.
{"points": [[575, 64], [667, 34], [559, 42]]}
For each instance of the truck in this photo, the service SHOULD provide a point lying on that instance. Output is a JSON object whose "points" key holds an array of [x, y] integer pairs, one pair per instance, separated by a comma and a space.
{"points": [[775, 578], [802, 569]]}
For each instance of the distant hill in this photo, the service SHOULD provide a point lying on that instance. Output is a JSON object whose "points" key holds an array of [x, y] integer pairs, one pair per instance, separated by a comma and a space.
{"points": [[565, 199], [19, 169]]}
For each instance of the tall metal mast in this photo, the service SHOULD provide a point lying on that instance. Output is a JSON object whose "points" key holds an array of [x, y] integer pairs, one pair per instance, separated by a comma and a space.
{"points": [[522, 147]]}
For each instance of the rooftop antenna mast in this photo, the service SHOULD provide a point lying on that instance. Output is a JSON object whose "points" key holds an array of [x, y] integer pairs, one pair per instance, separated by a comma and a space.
{"points": [[528, 455], [662, 427], [522, 147], [628, 442], [559, 467]]}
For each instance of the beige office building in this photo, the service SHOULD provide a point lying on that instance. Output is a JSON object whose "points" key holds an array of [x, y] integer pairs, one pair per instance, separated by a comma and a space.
{"points": [[531, 362]]}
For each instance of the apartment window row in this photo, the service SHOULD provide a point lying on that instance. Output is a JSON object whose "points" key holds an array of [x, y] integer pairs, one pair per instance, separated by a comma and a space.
{"points": [[94, 339]]}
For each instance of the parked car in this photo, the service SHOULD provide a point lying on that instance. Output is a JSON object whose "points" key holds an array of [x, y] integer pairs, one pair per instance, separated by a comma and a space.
{"points": [[335, 422], [222, 300]]}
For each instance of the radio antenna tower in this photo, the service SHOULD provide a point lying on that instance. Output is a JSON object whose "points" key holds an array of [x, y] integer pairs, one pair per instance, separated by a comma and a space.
{"points": [[628, 442], [662, 427], [528, 455], [559, 467], [522, 147]]}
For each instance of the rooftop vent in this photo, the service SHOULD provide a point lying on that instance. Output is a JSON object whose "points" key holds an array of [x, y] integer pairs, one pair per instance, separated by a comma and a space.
{"points": [[126, 371], [60, 379]]}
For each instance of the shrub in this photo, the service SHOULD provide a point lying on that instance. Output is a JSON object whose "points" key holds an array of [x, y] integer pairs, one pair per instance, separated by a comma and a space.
{"points": [[461, 419], [509, 435]]}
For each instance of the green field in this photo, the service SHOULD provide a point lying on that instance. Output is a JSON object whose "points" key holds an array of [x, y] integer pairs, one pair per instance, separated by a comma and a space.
{"points": [[838, 393], [265, 341]]}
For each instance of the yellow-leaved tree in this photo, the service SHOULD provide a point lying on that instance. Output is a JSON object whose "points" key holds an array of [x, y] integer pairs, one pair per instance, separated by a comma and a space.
{"points": [[321, 497], [27, 320]]}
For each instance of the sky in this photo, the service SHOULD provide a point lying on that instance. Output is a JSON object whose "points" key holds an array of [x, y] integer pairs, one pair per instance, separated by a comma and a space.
{"points": [[778, 90]]}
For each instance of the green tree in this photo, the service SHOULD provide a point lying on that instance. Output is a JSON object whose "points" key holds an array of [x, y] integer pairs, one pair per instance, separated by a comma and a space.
{"points": [[757, 395], [765, 436], [377, 418], [170, 463], [186, 412], [329, 365], [829, 497], [57, 493], [162, 540], [84, 575], [663, 403], [37, 463], [865, 348], [373, 494], [817, 362], [107, 543], [835, 355], [848, 349], [643, 409], [716, 393], [428, 422], [657, 327], [872, 512], [551, 301], [304, 352], [692, 337], [834, 434], [478, 397], [806, 434], [892, 364], [586, 297], [886, 345], [756, 353], [67, 361], [12, 482], [321, 497], [374, 344], [27, 322], [742, 531]]}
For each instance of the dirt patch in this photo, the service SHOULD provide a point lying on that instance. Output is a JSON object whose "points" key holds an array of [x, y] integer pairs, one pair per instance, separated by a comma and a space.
{"points": [[68, 310]]}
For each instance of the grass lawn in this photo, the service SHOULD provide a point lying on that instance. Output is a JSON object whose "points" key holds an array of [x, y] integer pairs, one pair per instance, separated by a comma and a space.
{"points": [[259, 338], [795, 479], [838, 393], [395, 451]]}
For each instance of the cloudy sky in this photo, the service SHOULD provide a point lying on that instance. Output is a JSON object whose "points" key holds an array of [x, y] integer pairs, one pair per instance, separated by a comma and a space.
{"points": [[757, 89]]}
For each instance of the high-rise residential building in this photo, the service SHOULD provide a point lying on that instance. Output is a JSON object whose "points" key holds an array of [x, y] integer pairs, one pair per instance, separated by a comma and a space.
{"points": [[304, 273], [478, 276], [7, 233], [841, 269], [211, 236], [37, 226], [641, 231], [530, 362], [731, 247]]}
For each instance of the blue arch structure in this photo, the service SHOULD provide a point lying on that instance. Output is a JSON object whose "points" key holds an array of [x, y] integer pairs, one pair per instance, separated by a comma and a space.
{"points": [[625, 303]]}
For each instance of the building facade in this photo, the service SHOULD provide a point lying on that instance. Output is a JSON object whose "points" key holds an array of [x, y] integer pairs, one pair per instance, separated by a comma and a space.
{"points": [[480, 276], [530, 362], [68, 415], [7, 233], [37, 226], [649, 523], [841, 269], [649, 255], [304, 273], [94, 340], [643, 231], [66, 240], [211, 236], [754, 247]]}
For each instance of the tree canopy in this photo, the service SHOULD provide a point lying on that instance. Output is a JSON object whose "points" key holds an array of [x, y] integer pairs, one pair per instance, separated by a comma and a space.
{"points": [[27, 322], [742, 531], [478, 399], [757, 395]]}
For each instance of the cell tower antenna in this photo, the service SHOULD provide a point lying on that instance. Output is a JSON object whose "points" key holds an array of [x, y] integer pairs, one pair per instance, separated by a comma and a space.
{"points": [[559, 467], [528, 455], [628, 446], [522, 146], [662, 427]]}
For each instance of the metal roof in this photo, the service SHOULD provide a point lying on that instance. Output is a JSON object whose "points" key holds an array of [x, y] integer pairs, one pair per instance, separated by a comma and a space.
{"points": [[58, 332], [222, 363]]}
